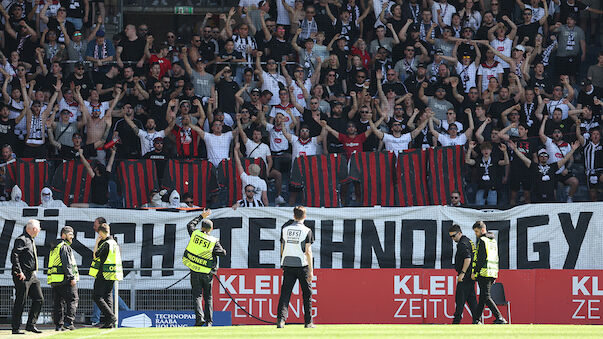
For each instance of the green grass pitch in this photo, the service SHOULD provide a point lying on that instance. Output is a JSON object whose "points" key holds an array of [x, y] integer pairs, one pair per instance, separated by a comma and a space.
{"points": [[335, 331]]}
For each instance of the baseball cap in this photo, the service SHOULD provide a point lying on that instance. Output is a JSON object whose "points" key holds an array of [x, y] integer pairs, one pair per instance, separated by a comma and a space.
{"points": [[158, 139], [422, 65], [439, 51], [543, 151], [520, 48], [255, 90], [100, 33]]}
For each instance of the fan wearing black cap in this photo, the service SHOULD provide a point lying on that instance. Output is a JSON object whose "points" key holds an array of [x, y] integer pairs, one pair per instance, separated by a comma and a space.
{"points": [[588, 93], [543, 173]]}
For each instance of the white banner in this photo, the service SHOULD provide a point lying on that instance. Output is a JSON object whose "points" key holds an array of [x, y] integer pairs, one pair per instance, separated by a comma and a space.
{"points": [[556, 236]]}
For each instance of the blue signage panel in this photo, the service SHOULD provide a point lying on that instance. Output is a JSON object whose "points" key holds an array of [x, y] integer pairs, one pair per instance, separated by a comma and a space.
{"points": [[168, 318]]}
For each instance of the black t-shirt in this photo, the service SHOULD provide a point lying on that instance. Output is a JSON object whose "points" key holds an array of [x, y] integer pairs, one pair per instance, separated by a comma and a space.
{"points": [[107, 83], [278, 49], [545, 84], [208, 49], [70, 153], [464, 250], [7, 132], [53, 24], [156, 108], [487, 130], [543, 182], [488, 172], [75, 8], [234, 55], [530, 30], [565, 125], [159, 159], [338, 124], [132, 50], [567, 9], [314, 127], [85, 83], [227, 91], [497, 107], [99, 190], [129, 147], [527, 147]]}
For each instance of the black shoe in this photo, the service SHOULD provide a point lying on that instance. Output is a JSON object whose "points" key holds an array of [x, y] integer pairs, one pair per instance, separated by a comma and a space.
{"points": [[477, 322], [32, 328], [59, 328], [18, 332], [280, 324], [68, 327], [500, 321], [310, 325], [109, 325], [209, 324]]}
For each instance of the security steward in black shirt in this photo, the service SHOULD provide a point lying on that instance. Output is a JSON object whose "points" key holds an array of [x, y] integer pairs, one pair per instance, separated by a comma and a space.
{"points": [[465, 287], [24, 258], [201, 257], [63, 276]]}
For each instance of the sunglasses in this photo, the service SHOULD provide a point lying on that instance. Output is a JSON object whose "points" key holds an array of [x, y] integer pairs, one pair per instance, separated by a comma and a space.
{"points": [[249, 191], [77, 34], [453, 235], [453, 197], [188, 202]]}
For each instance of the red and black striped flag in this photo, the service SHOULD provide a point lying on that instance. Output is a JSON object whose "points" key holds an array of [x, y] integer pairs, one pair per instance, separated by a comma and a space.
{"points": [[31, 175], [71, 182], [375, 171], [319, 175], [197, 177], [411, 178], [137, 179], [229, 179], [445, 176]]}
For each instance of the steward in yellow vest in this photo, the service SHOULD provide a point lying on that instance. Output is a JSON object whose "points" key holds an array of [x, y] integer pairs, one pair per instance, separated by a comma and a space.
{"points": [[106, 268], [200, 256], [62, 276], [485, 271]]}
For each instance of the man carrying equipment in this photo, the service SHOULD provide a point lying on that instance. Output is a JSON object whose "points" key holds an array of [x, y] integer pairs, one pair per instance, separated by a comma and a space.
{"points": [[296, 261], [485, 271], [63, 276], [106, 268], [200, 256]]}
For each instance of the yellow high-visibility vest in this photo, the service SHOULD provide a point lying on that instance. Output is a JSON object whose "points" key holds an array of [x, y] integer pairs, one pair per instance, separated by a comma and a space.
{"points": [[491, 268], [55, 272], [112, 268], [198, 255]]}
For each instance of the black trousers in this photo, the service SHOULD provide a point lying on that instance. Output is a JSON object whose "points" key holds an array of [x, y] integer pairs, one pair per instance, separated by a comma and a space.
{"points": [[103, 298], [23, 289], [465, 293], [201, 290], [485, 284], [65, 299], [290, 276]]}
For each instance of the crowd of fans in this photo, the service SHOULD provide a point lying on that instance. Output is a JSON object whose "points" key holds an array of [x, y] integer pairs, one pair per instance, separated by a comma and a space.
{"points": [[282, 78]]}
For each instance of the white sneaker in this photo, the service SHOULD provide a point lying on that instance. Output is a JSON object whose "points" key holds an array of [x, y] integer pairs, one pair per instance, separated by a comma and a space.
{"points": [[570, 199], [279, 200]]}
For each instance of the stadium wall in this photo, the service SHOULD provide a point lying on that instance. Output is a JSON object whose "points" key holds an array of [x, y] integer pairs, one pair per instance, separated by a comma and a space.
{"points": [[551, 256]]}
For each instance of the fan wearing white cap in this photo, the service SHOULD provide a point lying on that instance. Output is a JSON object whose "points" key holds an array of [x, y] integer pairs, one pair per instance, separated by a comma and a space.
{"points": [[47, 200]]}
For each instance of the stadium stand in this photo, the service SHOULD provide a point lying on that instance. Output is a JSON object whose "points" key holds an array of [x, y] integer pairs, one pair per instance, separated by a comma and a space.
{"points": [[176, 95]]}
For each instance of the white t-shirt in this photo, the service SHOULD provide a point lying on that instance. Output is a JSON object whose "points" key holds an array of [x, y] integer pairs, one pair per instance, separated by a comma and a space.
{"points": [[553, 104], [298, 94], [271, 83], [146, 140], [467, 75], [446, 140], [396, 145], [217, 146], [504, 47], [228, 121], [489, 72], [287, 112], [444, 125], [74, 110], [308, 148], [446, 11], [278, 142], [254, 150], [556, 152], [282, 16], [257, 182]]}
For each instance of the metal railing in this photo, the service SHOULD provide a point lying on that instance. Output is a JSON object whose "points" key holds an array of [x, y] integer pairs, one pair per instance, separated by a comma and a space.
{"points": [[137, 293]]}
